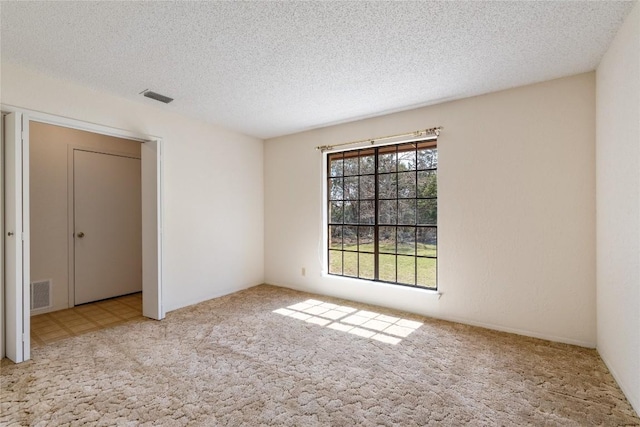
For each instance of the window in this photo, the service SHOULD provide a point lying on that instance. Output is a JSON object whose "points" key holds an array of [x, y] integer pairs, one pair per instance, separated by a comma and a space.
{"points": [[382, 213]]}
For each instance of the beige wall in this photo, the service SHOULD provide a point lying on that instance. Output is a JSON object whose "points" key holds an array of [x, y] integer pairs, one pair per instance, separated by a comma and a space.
{"points": [[618, 207], [516, 211], [48, 166]]}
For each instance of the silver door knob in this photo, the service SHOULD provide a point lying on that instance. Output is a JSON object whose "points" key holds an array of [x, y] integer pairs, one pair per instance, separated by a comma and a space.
{"points": [[81, 234]]}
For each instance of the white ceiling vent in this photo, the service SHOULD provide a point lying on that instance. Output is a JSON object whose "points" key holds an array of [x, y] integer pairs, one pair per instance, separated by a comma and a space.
{"points": [[40, 295]]}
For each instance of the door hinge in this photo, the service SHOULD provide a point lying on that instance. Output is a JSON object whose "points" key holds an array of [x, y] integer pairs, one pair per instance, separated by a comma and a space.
{"points": [[22, 236], [24, 338]]}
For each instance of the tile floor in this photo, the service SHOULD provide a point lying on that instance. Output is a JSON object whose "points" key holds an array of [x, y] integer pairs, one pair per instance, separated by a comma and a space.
{"points": [[57, 325]]}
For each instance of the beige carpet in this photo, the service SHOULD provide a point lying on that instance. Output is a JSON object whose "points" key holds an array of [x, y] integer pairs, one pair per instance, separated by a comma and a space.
{"points": [[247, 359]]}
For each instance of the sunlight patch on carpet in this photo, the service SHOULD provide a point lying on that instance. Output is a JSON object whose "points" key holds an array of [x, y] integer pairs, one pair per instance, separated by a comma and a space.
{"points": [[363, 323]]}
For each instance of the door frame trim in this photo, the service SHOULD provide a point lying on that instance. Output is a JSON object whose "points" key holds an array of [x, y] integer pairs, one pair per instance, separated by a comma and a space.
{"points": [[16, 318], [71, 208], [152, 194]]}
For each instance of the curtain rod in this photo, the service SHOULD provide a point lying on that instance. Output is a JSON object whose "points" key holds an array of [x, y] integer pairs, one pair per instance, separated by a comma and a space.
{"points": [[415, 134]]}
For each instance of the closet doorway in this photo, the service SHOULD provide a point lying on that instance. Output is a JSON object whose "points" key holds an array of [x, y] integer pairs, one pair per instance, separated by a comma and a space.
{"points": [[85, 215], [21, 280]]}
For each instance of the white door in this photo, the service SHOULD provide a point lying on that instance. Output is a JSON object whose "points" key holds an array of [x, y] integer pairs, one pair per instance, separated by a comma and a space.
{"points": [[16, 237], [151, 164], [2, 340], [107, 226]]}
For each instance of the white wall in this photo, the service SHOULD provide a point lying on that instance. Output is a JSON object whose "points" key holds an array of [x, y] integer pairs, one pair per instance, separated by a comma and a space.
{"points": [[48, 158], [213, 184], [618, 207], [516, 211]]}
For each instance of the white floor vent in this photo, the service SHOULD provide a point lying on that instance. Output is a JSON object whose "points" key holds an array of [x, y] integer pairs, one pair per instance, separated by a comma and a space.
{"points": [[40, 295]]}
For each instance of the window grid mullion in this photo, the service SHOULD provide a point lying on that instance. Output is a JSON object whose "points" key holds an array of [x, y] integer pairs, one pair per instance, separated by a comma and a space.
{"points": [[343, 221], [376, 231], [415, 218], [359, 220], [397, 214]]}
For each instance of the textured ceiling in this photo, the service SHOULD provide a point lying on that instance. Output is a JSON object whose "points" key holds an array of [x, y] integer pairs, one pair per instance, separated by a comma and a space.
{"points": [[274, 68]]}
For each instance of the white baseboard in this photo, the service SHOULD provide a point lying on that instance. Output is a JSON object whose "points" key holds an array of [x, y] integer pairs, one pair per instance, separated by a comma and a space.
{"points": [[523, 332], [631, 397], [501, 328], [218, 294]]}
